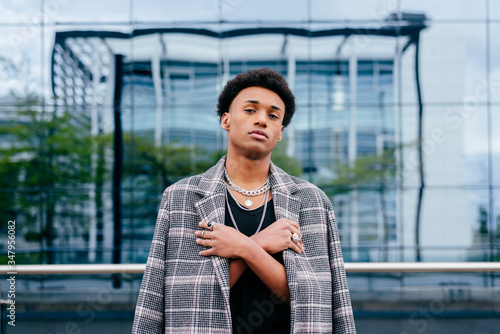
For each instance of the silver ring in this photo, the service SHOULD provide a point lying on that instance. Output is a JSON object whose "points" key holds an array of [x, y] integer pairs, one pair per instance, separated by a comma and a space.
{"points": [[295, 237], [203, 234], [210, 225]]}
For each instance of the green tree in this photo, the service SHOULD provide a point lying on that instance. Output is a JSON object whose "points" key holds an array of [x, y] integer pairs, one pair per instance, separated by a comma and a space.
{"points": [[483, 220], [376, 172], [283, 161], [163, 165], [46, 157], [373, 170]]}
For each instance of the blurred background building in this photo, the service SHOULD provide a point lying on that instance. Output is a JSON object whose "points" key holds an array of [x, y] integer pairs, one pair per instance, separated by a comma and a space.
{"points": [[104, 104]]}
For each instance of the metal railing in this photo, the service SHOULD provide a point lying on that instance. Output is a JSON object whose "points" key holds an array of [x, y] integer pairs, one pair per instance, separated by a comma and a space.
{"points": [[350, 267]]}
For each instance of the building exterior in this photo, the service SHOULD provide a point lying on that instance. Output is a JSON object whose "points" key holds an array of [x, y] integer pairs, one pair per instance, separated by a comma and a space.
{"points": [[165, 92], [105, 103]]}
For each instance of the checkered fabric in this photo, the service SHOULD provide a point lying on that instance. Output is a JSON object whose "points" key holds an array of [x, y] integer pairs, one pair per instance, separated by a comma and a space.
{"points": [[183, 292]]}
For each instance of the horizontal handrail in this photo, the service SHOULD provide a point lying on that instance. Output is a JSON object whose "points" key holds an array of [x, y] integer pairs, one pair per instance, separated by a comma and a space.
{"points": [[350, 267], [438, 267]]}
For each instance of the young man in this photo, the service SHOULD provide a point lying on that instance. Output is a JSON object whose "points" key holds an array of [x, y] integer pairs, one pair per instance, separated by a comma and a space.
{"points": [[244, 247]]}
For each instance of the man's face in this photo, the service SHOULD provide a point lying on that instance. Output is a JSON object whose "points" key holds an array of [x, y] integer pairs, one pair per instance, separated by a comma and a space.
{"points": [[254, 122]]}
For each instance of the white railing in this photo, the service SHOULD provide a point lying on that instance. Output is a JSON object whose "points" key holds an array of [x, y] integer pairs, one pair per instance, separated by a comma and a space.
{"points": [[350, 267]]}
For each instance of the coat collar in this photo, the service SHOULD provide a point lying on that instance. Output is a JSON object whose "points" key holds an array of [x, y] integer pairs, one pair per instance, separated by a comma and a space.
{"points": [[212, 180]]}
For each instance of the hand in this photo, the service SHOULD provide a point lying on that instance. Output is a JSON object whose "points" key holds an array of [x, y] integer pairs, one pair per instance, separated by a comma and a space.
{"points": [[224, 241], [278, 236]]}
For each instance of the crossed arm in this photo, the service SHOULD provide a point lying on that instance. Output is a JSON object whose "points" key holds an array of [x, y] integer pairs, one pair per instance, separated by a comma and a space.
{"points": [[253, 252]]}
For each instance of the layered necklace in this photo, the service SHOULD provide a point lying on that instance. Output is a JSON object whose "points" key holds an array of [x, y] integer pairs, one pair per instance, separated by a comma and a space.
{"points": [[248, 193], [231, 213]]}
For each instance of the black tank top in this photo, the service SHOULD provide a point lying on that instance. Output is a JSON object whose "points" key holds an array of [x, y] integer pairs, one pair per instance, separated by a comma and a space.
{"points": [[254, 308]]}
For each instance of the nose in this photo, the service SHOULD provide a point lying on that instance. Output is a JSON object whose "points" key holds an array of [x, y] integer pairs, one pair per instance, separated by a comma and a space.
{"points": [[261, 119]]}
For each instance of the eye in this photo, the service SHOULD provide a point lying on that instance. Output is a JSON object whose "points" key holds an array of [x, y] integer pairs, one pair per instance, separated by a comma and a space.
{"points": [[273, 116], [249, 110]]}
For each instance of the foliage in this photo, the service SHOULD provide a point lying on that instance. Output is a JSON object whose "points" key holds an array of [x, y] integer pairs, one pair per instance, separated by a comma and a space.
{"points": [[44, 162], [483, 220], [49, 160], [373, 170], [165, 164], [283, 161]]}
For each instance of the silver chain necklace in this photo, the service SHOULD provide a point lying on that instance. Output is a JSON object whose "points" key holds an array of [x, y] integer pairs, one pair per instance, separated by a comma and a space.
{"points": [[241, 206], [234, 221], [248, 193]]}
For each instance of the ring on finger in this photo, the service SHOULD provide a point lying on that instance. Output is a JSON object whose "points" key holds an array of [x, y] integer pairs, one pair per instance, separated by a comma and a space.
{"points": [[203, 233], [296, 238]]}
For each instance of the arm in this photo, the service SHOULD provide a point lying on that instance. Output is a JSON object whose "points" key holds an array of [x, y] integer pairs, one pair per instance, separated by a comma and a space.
{"points": [[268, 269], [236, 268], [343, 321], [254, 252], [149, 311], [246, 252], [272, 239]]}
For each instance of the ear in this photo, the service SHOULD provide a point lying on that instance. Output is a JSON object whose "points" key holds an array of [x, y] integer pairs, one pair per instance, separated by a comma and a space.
{"points": [[224, 121], [281, 133]]}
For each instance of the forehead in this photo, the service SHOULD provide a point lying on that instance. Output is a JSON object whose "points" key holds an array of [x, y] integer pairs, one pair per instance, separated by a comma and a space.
{"points": [[260, 94]]}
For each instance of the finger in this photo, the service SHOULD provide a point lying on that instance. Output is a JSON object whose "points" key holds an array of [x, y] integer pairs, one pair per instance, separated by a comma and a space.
{"points": [[295, 247], [207, 252], [296, 230], [294, 224], [208, 225], [204, 242], [299, 244], [205, 234]]}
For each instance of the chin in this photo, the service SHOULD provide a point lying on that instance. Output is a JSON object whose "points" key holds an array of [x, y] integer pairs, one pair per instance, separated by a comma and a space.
{"points": [[256, 154]]}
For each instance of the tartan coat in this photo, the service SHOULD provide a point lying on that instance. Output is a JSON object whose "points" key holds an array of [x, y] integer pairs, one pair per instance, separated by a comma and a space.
{"points": [[184, 292]]}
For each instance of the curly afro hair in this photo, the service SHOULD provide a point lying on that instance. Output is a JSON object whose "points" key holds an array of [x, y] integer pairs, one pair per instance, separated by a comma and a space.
{"points": [[265, 78]]}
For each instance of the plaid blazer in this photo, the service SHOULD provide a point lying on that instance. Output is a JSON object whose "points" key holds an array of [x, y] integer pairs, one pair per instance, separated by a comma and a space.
{"points": [[183, 292]]}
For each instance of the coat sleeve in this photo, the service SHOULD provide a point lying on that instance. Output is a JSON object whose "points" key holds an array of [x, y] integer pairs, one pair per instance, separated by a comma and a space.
{"points": [[343, 320], [149, 311]]}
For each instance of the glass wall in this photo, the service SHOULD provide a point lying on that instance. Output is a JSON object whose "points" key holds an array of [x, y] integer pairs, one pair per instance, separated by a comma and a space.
{"points": [[103, 104]]}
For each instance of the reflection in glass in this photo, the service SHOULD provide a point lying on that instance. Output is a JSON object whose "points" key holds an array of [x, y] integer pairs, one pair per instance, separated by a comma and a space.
{"points": [[343, 137], [409, 165]]}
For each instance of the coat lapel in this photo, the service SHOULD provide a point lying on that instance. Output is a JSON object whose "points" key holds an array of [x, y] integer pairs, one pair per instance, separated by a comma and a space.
{"points": [[211, 207], [287, 206]]}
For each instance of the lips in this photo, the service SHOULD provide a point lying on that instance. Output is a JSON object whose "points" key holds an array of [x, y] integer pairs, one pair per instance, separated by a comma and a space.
{"points": [[258, 134]]}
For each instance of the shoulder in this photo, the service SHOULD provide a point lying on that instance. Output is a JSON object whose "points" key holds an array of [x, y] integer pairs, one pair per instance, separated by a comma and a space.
{"points": [[306, 189], [180, 194], [187, 184], [203, 183], [308, 193]]}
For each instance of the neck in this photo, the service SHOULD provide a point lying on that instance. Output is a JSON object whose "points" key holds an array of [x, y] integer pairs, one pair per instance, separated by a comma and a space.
{"points": [[247, 173]]}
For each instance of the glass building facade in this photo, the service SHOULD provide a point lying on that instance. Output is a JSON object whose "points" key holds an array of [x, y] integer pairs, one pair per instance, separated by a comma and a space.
{"points": [[103, 105], [345, 102]]}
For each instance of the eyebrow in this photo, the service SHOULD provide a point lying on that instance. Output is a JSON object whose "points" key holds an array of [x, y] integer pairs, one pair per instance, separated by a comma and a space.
{"points": [[257, 102]]}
